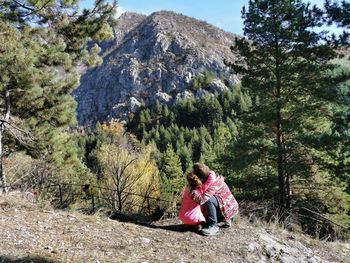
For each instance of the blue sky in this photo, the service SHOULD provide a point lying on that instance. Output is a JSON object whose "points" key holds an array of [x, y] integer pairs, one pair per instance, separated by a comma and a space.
{"points": [[222, 13], [225, 14]]}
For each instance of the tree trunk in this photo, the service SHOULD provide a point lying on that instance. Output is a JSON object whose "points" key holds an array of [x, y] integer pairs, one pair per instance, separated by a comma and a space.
{"points": [[279, 141], [2, 172], [120, 204], [115, 202], [283, 176], [287, 179], [2, 129], [280, 172], [279, 129]]}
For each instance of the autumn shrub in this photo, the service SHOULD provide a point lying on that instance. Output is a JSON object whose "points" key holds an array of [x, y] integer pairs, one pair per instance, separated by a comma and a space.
{"points": [[129, 179]]}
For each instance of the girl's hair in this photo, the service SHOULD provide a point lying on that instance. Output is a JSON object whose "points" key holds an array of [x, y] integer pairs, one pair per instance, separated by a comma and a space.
{"points": [[193, 181], [201, 170]]}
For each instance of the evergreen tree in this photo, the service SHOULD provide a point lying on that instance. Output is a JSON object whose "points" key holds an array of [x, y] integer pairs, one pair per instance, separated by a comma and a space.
{"points": [[41, 45], [186, 113], [164, 138], [171, 173], [339, 13], [337, 142], [185, 154], [209, 110], [285, 65]]}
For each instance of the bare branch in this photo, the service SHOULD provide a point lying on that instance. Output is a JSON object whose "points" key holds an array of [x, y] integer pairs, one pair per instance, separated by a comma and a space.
{"points": [[32, 10], [23, 6], [21, 135], [323, 217]]}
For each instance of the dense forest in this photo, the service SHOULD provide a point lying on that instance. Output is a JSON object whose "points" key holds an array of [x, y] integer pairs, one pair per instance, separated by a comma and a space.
{"points": [[281, 137]]}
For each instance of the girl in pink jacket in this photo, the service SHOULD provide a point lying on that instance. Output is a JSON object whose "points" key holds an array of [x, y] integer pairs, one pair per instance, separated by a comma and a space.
{"points": [[191, 212], [217, 200]]}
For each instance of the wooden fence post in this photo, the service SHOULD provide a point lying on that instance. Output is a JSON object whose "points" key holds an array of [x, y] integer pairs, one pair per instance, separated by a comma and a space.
{"points": [[61, 198], [92, 200]]}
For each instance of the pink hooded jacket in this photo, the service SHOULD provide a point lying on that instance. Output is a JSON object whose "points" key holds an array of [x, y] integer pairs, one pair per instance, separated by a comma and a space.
{"points": [[227, 202], [190, 212]]}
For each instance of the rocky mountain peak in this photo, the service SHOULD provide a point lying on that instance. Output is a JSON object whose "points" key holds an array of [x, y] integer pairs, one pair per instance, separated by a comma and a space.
{"points": [[152, 58]]}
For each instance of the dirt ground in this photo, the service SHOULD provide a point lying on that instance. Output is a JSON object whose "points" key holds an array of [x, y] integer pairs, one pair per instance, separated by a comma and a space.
{"points": [[29, 233]]}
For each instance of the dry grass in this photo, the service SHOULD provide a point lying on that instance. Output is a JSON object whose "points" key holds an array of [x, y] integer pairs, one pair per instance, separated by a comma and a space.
{"points": [[38, 234]]}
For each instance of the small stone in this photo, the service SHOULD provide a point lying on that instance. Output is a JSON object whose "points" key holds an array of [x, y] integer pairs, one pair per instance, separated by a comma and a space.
{"points": [[146, 240]]}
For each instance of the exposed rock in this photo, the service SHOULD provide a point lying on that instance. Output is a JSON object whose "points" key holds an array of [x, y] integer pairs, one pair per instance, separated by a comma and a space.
{"points": [[163, 97], [184, 95], [271, 248], [216, 85], [134, 104], [152, 58]]}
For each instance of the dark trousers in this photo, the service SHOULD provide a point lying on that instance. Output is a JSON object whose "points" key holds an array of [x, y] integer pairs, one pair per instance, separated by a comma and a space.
{"points": [[212, 211]]}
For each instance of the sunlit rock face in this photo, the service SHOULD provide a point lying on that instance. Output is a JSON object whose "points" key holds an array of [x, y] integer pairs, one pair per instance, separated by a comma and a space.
{"points": [[152, 58]]}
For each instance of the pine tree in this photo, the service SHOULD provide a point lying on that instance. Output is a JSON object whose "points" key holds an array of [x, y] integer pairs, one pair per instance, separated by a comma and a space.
{"points": [[339, 14], [285, 65], [164, 138], [41, 45], [186, 113], [171, 173], [185, 155], [337, 142]]}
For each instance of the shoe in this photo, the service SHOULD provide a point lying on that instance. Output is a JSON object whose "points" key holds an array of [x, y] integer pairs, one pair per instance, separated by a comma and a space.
{"points": [[227, 224], [210, 231]]}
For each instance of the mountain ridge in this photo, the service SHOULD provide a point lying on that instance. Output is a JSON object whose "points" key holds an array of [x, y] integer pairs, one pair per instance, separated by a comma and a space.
{"points": [[152, 58]]}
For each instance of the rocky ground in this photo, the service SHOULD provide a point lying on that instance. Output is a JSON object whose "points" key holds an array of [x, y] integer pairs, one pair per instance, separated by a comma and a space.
{"points": [[32, 233]]}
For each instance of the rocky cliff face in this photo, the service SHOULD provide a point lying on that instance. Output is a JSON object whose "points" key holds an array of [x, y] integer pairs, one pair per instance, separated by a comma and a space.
{"points": [[152, 58]]}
